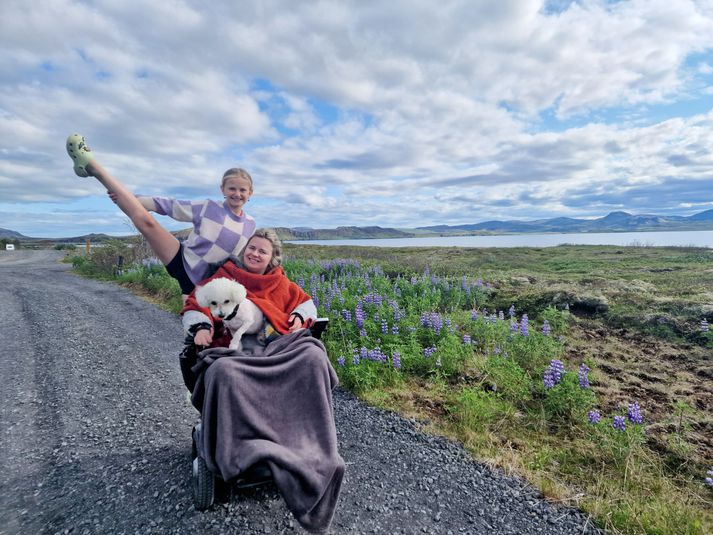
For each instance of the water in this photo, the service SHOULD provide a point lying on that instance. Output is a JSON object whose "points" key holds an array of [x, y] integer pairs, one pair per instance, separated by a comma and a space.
{"points": [[697, 238]]}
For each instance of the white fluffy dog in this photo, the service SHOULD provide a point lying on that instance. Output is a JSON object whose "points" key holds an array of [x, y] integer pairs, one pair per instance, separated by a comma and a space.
{"points": [[227, 300]]}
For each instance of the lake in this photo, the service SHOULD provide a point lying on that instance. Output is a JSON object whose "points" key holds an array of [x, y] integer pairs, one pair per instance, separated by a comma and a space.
{"points": [[697, 238]]}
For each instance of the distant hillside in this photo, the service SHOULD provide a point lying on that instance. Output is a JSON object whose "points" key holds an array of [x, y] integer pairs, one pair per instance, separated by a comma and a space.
{"points": [[613, 222], [11, 234], [340, 233]]}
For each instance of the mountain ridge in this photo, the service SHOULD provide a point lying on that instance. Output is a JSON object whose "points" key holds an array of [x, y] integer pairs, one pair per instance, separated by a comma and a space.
{"points": [[618, 221]]}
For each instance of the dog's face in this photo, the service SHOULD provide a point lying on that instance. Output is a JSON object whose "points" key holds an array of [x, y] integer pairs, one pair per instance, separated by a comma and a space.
{"points": [[221, 296]]}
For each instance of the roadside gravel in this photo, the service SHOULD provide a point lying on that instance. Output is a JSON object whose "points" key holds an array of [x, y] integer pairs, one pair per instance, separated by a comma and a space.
{"points": [[96, 434]]}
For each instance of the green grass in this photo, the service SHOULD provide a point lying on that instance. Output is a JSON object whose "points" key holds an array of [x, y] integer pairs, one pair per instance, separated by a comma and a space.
{"points": [[632, 314]]}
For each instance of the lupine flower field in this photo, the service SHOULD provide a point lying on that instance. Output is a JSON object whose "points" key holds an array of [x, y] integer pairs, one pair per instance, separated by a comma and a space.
{"points": [[585, 370]]}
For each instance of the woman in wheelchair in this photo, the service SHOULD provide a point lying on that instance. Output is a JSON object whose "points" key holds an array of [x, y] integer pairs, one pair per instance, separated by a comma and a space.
{"points": [[269, 403]]}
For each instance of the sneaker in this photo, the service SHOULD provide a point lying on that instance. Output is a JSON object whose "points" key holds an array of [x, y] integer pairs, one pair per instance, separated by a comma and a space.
{"points": [[80, 153]]}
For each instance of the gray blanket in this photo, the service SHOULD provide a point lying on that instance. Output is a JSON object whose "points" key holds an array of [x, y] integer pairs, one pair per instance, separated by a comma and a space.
{"points": [[274, 405]]}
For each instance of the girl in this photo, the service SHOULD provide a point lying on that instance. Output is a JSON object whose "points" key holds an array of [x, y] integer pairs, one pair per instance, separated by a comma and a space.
{"points": [[219, 230]]}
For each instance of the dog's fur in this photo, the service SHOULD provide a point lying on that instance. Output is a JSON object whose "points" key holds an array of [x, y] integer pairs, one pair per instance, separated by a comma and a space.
{"points": [[222, 295]]}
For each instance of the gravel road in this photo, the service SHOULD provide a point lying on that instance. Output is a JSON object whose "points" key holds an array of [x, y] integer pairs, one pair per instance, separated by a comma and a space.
{"points": [[96, 434]]}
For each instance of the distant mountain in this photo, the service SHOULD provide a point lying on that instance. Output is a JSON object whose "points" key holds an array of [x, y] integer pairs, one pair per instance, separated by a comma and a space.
{"points": [[612, 222], [11, 234]]}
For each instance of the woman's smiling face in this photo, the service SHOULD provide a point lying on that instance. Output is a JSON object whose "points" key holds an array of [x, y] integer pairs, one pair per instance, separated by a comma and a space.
{"points": [[257, 255]]}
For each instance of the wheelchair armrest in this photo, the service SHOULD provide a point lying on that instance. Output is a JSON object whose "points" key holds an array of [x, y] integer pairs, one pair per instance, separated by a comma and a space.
{"points": [[318, 327]]}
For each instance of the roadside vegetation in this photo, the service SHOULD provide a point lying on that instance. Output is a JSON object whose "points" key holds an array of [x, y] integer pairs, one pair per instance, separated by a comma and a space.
{"points": [[585, 369]]}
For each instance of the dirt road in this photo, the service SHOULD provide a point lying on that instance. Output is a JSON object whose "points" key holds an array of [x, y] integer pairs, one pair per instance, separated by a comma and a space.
{"points": [[96, 433]]}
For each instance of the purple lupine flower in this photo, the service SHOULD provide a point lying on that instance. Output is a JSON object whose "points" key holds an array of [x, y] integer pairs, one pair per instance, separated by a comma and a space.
{"points": [[501, 315], [340, 360], [593, 416], [396, 359], [511, 311], [347, 315], [479, 282], [359, 315], [394, 329], [384, 327], [704, 326], [709, 480], [634, 413], [362, 333], [466, 339], [619, 423], [523, 325], [427, 352], [553, 374], [584, 376], [355, 357], [474, 315], [438, 361], [514, 326], [546, 328], [497, 350]]}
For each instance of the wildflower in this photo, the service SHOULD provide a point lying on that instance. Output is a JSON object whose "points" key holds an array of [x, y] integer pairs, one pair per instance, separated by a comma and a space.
{"points": [[523, 325], [355, 357], [709, 480], [466, 339], [396, 359], [546, 328], [619, 423], [340, 360], [347, 315], [704, 326], [362, 333], [511, 311], [427, 352], [384, 327], [553, 374], [501, 315], [497, 350], [634, 413], [514, 326], [359, 315], [474, 315], [593, 416], [394, 329], [438, 361], [584, 376]]}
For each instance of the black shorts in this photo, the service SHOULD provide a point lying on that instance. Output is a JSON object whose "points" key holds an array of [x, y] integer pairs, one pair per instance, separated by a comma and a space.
{"points": [[177, 270]]}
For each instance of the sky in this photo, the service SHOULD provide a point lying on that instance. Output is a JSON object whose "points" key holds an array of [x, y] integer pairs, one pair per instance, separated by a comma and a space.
{"points": [[399, 114]]}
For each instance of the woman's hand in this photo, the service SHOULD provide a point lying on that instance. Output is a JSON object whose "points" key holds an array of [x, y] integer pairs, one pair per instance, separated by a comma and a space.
{"points": [[112, 196], [295, 322], [203, 337]]}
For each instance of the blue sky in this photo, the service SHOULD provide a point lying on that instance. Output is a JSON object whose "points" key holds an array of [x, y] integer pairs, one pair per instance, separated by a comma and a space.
{"points": [[399, 114]]}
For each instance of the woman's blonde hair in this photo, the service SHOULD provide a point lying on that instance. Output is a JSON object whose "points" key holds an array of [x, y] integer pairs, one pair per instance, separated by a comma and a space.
{"points": [[236, 172], [271, 236]]}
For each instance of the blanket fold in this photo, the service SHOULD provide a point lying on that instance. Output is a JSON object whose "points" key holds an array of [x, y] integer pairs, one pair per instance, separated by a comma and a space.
{"points": [[274, 405]]}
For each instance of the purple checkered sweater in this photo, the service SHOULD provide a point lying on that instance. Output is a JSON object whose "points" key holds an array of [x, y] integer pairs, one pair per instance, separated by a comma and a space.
{"points": [[217, 232]]}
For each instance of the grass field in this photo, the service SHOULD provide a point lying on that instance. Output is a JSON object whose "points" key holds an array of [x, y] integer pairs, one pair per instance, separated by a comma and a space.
{"points": [[457, 339]]}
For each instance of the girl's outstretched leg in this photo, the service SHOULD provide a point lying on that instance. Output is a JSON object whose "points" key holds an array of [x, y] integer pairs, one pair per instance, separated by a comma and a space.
{"points": [[164, 244]]}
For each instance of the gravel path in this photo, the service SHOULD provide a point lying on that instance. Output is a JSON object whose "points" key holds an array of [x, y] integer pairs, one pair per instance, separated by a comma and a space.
{"points": [[96, 434]]}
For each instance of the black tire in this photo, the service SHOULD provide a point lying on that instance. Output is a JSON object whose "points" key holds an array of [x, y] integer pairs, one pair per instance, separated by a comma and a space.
{"points": [[203, 485]]}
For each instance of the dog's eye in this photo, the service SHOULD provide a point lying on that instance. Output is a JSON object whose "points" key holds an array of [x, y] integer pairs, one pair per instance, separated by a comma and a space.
{"points": [[226, 301], [214, 303]]}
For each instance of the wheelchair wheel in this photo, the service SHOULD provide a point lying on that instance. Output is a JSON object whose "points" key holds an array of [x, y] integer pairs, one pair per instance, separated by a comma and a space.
{"points": [[203, 485]]}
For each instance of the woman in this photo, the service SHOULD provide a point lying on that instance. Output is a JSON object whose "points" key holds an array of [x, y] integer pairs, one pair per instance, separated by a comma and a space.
{"points": [[271, 403], [285, 305]]}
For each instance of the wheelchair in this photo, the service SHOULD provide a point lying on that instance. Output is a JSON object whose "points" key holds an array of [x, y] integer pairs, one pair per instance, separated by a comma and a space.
{"points": [[209, 487]]}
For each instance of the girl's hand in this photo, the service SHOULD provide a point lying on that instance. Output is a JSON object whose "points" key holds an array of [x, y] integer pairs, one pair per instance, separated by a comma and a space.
{"points": [[112, 196], [203, 337], [295, 322]]}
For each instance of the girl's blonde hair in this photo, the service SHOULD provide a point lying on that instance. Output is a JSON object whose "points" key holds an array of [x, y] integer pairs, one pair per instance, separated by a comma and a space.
{"points": [[271, 236], [236, 172]]}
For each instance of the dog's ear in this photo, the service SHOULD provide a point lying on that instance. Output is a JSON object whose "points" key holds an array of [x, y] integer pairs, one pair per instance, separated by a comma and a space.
{"points": [[200, 296], [239, 293]]}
